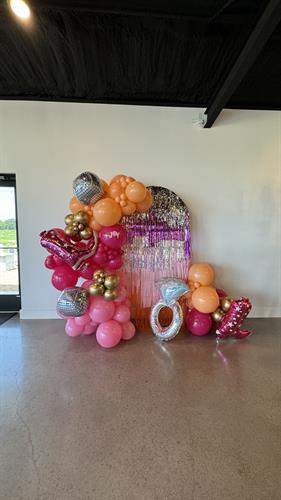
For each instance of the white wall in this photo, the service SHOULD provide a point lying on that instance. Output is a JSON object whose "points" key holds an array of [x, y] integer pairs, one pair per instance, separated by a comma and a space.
{"points": [[229, 176]]}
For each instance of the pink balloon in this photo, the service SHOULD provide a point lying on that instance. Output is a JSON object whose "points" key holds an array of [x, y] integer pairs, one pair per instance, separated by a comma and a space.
{"points": [[50, 262], [82, 320], [122, 314], [64, 277], [221, 293], [58, 260], [122, 294], [90, 328], [115, 263], [72, 329], [87, 269], [127, 303], [100, 259], [113, 236], [109, 334], [101, 310], [198, 323], [128, 330]]}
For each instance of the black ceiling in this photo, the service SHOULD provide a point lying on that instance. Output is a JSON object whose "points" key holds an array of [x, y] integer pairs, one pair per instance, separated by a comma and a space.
{"points": [[143, 52]]}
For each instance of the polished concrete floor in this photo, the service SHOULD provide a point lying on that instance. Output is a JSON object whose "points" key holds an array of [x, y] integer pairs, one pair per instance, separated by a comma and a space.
{"points": [[187, 420]]}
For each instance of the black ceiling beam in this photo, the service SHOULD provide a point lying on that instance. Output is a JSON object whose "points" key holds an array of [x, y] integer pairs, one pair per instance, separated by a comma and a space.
{"points": [[263, 29]]}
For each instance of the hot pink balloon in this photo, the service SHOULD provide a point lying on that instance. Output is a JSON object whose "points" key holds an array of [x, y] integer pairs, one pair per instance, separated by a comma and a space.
{"points": [[87, 269], [115, 263], [72, 329], [128, 330], [100, 259], [109, 334], [122, 314], [64, 277], [113, 236], [198, 323], [58, 260], [90, 328], [101, 310], [221, 293], [50, 262]]}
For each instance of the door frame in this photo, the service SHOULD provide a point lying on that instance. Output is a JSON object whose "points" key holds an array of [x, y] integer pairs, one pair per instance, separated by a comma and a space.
{"points": [[11, 302]]}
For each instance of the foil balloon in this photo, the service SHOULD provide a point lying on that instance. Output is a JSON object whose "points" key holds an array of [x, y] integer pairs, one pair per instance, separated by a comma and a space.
{"points": [[230, 325], [170, 290], [158, 246], [88, 188], [72, 253], [73, 302]]}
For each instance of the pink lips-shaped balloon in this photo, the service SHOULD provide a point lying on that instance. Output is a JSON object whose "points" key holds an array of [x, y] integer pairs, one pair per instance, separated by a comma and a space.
{"points": [[58, 243], [230, 325]]}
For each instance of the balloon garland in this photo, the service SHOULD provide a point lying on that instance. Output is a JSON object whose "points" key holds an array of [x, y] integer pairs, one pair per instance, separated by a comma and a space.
{"points": [[91, 248]]}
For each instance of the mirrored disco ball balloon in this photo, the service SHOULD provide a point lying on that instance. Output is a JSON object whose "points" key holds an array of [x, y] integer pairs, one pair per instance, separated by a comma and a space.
{"points": [[73, 302], [87, 188]]}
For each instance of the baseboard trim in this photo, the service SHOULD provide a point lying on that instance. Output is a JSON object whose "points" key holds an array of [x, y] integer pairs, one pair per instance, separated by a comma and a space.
{"points": [[257, 312], [38, 314]]}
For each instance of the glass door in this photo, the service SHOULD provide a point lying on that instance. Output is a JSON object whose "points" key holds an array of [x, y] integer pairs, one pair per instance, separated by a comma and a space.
{"points": [[9, 250]]}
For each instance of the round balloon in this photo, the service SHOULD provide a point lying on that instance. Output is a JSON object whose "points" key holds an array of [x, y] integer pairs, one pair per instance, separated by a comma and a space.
{"points": [[145, 205], [107, 212], [64, 277], [122, 314], [198, 323], [201, 273], [205, 299], [113, 236], [101, 310], [109, 334], [128, 330], [136, 192]]}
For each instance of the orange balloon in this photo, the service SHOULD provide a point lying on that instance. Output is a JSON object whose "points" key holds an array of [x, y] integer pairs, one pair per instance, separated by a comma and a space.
{"points": [[107, 212], [117, 178], [136, 191], [205, 299], [75, 205], [146, 203], [115, 190], [129, 208], [201, 273], [105, 186], [94, 225]]}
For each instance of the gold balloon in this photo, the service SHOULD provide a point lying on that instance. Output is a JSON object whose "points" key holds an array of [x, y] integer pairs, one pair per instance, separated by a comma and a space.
{"points": [[100, 280], [111, 281], [96, 289], [86, 234], [68, 219], [217, 315], [71, 231], [225, 304], [110, 294], [81, 217], [99, 273], [81, 227]]}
